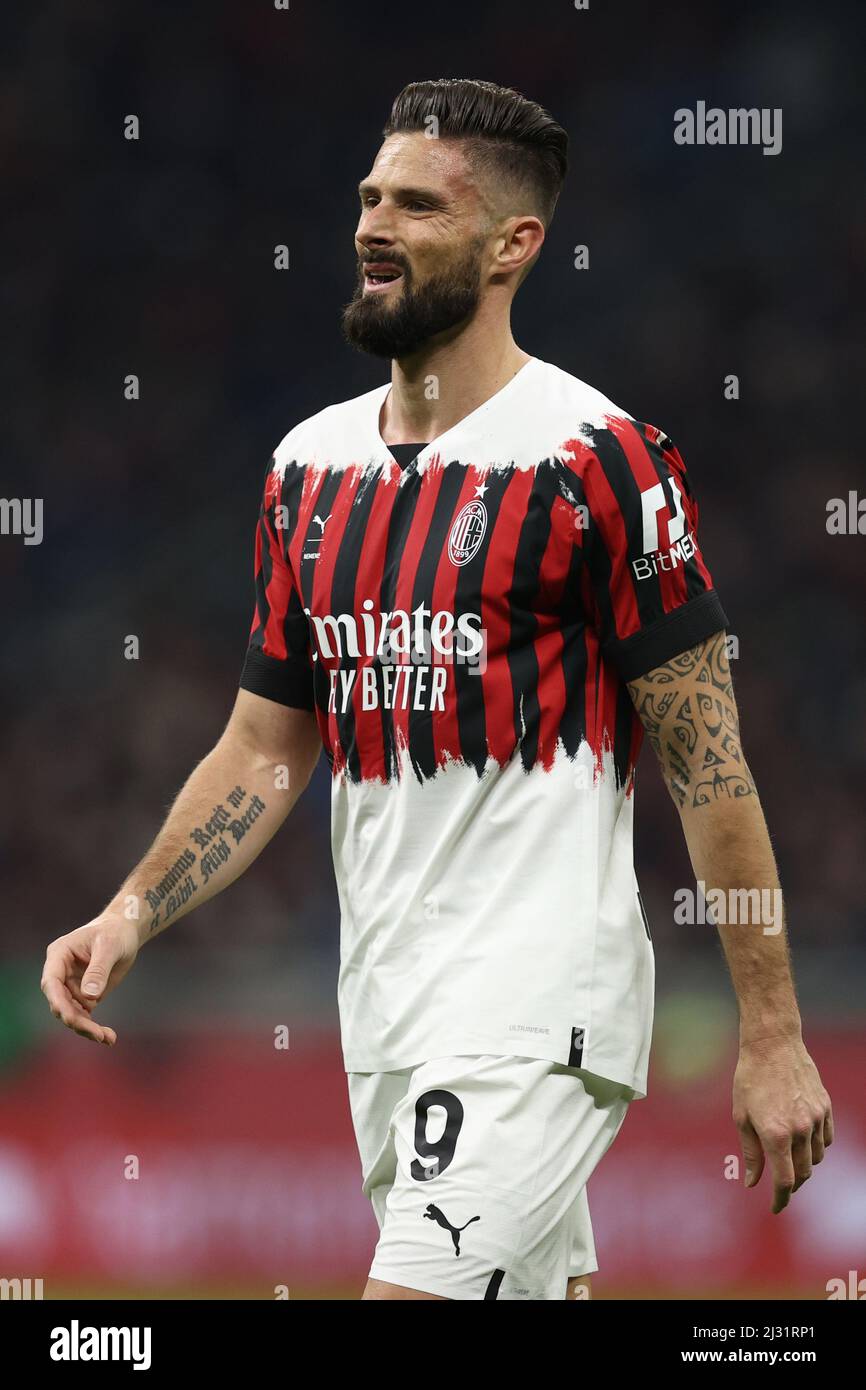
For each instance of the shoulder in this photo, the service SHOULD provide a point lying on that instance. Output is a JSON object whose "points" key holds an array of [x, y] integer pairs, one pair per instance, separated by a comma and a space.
{"points": [[604, 434], [577, 399], [329, 431]]}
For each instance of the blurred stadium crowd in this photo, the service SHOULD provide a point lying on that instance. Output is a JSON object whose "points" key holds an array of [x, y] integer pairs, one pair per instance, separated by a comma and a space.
{"points": [[155, 257]]}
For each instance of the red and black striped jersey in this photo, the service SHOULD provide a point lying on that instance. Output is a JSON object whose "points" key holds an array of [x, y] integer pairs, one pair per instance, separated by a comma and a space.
{"points": [[464, 627]]}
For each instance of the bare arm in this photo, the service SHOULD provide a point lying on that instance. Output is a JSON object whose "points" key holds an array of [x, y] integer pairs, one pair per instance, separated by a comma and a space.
{"points": [[688, 710], [231, 805]]}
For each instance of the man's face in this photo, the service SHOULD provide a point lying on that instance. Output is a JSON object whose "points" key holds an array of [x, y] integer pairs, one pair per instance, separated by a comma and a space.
{"points": [[420, 243]]}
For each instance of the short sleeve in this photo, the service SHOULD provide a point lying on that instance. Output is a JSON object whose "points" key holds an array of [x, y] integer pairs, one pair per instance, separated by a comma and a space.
{"points": [[652, 594], [278, 661]]}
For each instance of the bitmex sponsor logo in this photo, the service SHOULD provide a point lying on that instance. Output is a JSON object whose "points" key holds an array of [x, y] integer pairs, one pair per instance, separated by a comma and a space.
{"points": [[398, 636], [682, 543], [77, 1343], [665, 560]]}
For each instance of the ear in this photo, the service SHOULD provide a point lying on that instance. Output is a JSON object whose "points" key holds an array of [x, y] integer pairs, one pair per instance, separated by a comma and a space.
{"points": [[521, 240]]}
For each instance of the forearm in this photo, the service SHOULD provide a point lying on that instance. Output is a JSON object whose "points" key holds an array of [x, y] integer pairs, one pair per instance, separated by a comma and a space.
{"points": [[733, 861], [227, 811], [688, 710]]}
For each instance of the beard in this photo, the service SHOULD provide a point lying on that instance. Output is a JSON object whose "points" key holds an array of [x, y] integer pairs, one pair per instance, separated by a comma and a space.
{"points": [[443, 301]]}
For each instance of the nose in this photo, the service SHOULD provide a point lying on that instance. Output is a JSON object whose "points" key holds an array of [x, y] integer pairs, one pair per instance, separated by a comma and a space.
{"points": [[374, 228]]}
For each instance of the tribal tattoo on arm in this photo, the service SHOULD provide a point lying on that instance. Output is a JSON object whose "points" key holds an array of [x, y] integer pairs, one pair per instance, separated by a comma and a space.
{"points": [[688, 710]]}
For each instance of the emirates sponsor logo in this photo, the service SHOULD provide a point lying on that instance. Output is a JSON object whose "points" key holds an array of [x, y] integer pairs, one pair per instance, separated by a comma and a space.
{"points": [[467, 533], [398, 637]]}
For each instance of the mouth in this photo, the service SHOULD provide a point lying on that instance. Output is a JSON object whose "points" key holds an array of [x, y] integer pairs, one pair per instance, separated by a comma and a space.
{"points": [[379, 275]]}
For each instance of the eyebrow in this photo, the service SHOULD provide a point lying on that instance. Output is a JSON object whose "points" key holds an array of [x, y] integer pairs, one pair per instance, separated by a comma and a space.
{"points": [[426, 195]]}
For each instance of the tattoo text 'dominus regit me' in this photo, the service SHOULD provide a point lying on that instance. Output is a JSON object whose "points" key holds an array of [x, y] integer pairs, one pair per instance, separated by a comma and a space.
{"points": [[221, 833]]}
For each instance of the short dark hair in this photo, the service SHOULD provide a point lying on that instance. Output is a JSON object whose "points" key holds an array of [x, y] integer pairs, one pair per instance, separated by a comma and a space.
{"points": [[513, 137]]}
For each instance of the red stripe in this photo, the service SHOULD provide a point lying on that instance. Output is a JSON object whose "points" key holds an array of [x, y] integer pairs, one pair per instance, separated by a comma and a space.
{"points": [[312, 486], [549, 643], [496, 613], [368, 585], [675, 462], [431, 481], [635, 745], [672, 583], [606, 512], [323, 572], [609, 692], [446, 731], [594, 728], [277, 593]]}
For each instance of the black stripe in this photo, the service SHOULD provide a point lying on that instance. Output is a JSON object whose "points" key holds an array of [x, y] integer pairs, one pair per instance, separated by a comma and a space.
{"points": [[625, 718], [468, 594], [694, 583], [674, 632], [288, 681], [572, 728], [575, 1053], [522, 597], [399, 525], [644, 916], [421, 742], [492, 1290], [624, 486], [342, 601], [290, 496]]}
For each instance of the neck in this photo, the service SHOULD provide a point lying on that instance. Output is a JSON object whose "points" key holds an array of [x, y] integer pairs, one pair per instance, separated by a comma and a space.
{"points": [[460, 374]]}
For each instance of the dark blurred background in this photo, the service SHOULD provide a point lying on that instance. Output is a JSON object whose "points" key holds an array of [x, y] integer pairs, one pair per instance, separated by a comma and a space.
{"points": [[156, 257]]}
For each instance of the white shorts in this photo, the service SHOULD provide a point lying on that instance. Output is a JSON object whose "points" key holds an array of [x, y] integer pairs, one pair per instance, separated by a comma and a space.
{"points": [[477, 1170]]}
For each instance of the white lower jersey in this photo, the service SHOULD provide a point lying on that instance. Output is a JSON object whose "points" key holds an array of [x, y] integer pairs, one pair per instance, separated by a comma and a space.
{"points": [[477, 1168]]}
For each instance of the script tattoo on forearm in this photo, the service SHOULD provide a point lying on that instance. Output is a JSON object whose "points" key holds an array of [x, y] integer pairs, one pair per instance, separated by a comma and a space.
{"points": [[179, 884], [688, 711]]}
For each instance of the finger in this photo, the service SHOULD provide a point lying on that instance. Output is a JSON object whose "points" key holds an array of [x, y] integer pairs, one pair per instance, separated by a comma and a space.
{"points": [[87, 1027], [53, 982], [95, 1032], [77, 1020], [829, 1129], [782, 1168], [74, 987], [817, 1141], [801, 1157], [753, 1154], [102, 961], [73, 1016]]}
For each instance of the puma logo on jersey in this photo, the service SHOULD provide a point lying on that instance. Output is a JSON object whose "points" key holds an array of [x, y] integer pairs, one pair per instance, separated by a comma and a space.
{"points": [[434, 1213], [316, 541]]}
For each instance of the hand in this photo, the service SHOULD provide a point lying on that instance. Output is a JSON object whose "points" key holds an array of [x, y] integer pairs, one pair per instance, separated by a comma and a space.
{"points": [[782, 1112], [83, 966]]}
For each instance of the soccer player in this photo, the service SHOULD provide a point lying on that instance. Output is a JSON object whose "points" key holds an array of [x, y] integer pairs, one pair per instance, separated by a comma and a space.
{"points": [[477, 585]]}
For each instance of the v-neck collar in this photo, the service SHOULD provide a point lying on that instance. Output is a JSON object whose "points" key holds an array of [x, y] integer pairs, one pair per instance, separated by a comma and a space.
{"points": [[436, 446]]}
